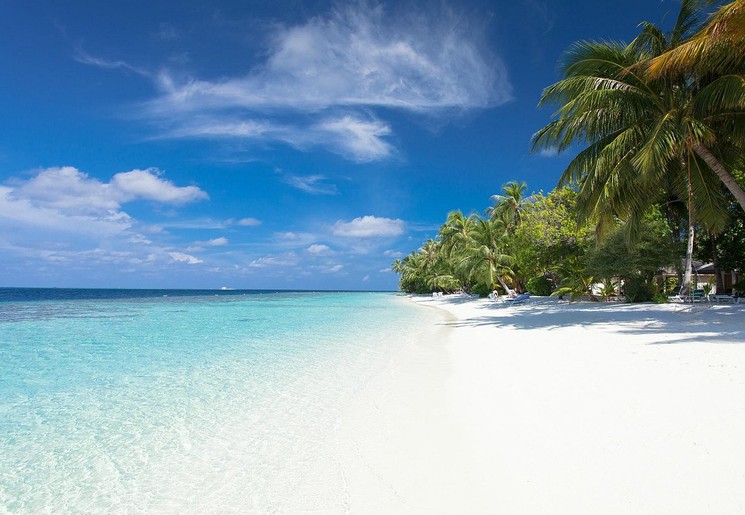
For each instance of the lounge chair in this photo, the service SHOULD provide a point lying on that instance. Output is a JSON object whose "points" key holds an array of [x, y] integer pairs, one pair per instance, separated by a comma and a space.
{"points": [[725, 298], [519, 299]]}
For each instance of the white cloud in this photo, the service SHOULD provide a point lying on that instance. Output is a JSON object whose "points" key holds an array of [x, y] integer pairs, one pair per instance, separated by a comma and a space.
{"points": [[69, 189], [319, 250], [369, 226], [271, 261], [184, 258], [84, 58], [312, 184], [334, 269], [23, 218], [215, 242], [356, 139], [366, 279], [359, 56], [63, 215], [393, 253], [147, 184], [335, 69], [249, 222]]}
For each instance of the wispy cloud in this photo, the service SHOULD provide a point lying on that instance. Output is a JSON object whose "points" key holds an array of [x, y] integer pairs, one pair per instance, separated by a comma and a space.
{"points": [[336, 69], [84, 57], [184, 258], [214, 242], [313, 184], [274, 261], [358, 55], [249, 222]]}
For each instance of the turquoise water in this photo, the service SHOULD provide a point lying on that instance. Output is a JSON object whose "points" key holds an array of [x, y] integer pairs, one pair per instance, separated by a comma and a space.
{"points": [[195, 403]]}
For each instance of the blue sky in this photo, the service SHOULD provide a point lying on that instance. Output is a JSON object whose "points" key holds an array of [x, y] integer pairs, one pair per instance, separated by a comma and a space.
{"points": [[253, 144]]}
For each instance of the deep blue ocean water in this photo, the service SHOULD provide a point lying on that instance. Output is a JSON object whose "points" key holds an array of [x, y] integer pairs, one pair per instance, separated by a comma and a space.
{"points": [[180, 401]]}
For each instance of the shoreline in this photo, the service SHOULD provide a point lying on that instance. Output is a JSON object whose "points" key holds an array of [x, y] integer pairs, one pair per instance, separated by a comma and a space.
{"points": [[547, 407]]}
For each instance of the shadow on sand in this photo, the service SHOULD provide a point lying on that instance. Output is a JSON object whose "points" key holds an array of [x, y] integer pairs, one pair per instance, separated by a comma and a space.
{"points": [[699, 323]]}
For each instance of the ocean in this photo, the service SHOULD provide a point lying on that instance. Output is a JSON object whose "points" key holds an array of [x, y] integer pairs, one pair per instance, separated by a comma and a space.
{"points": [[175, 401]]}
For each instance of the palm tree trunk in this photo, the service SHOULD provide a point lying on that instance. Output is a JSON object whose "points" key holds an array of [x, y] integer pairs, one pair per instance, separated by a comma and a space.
{"points": [[729, 181], [715, 261], [685, 288], [501, 281]]}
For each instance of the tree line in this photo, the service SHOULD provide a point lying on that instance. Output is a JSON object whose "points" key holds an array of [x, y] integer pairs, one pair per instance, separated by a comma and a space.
{"points": [[660, 128]]}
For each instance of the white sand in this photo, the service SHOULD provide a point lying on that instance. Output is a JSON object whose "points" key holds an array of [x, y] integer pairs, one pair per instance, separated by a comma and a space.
{"points": [[547, 408]]}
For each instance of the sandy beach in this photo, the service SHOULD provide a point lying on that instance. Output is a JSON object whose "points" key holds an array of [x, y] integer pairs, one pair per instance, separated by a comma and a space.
{"points": [[547, 407]]}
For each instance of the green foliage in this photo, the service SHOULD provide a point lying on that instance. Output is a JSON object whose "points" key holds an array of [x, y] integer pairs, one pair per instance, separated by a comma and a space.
{"points": [[667, 287], [659, 298], [652, 250], [540, 285], [549, 234], [727, 248], [575, 282], [739, 287], [609, 289], [482, 290], [638, 289]]}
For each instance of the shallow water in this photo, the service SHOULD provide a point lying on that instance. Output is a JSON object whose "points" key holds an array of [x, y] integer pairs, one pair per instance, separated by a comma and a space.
{"points": [[180, 403]]}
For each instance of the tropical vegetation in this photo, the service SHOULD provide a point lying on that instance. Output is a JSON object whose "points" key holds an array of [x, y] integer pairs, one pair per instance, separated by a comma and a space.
{"points": [[659, 129]]}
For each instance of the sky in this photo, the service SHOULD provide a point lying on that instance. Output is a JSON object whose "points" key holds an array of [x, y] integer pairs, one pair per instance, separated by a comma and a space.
{"points": [[269, 145]]}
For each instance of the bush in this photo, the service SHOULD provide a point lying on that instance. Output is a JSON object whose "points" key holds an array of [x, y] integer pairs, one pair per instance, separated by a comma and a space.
{"points": [[540, 286], [637, 289], [481, 290], [659, 298], [739, 287]]}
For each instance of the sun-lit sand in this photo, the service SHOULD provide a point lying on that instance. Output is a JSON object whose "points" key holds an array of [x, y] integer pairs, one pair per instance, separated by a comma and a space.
{"points": [[547, 407]]}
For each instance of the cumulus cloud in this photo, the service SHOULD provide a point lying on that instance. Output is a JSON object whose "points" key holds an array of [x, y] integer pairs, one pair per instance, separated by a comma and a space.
{"points": [[319, 250], [68, 188], [369, 227], [335, 69], [63, 215], [184, 258], [148, 184], [23, 218]]}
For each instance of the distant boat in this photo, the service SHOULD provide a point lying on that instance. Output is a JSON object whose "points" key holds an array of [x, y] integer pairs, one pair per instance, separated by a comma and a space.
{"points": [[225, 288]]}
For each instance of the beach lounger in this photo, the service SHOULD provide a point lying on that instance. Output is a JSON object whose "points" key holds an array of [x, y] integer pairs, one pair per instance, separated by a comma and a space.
{"points": [[725, 298], [518, 299]]}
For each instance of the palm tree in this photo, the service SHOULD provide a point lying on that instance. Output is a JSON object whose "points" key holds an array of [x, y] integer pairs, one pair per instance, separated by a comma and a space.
{"points": [[484, 255], [717, 48], [509, 205], [454, 232], [641, 133], [713, 59]]}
